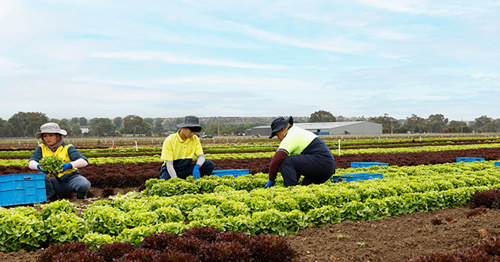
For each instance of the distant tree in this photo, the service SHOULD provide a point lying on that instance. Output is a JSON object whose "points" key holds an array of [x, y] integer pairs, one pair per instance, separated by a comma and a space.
{"points": [[133, 124], [76, 130], [218, 129], [481, 123], [74, 120], [238, 129], [149, 120], [27, 124], [389, 124], [361, 118], [436, 123], [5, 128], [64, 124], [415, 124], [212, 128], [493, 126], [158, 126], [101, 127], [321, 116], [458, 127], [70, 126], [118, 123], [83, 121]]}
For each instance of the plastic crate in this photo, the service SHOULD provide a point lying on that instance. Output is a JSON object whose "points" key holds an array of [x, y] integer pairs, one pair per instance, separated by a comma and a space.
{"points": [[233, 172], [469, 159], [497, 163], [356, 176], [367, 164], [18, 189]]}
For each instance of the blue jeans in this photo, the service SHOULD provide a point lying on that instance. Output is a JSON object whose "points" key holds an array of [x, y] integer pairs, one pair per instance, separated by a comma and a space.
{"points": [[205, 170], [315, 169], [77, 183]]}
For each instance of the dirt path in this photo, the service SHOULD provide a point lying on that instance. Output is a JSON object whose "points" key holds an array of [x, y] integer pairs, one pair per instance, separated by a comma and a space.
{"points": [[396, 238]]}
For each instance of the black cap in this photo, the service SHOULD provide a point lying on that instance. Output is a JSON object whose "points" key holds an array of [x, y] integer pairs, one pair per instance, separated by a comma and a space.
{"points": [[278, 124], [191, 122]]}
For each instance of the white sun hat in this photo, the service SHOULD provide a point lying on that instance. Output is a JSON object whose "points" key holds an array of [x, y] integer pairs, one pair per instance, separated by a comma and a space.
{"points": [[52, 128]]}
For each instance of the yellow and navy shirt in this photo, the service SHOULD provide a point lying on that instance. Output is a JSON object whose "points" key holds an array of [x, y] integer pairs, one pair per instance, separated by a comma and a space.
{"points": [[179, 151], [300, 141], [67, 152]]}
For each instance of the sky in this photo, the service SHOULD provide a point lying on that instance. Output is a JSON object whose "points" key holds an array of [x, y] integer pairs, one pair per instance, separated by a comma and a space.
{"points": [[357, 58]]}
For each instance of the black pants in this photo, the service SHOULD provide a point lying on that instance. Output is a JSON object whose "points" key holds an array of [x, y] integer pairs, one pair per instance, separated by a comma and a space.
{"points": [[205, 170], [315, 169]]}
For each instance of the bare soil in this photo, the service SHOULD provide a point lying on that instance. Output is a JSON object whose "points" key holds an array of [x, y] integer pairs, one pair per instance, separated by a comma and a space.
{"points": [[390, 239], [397, 238]]}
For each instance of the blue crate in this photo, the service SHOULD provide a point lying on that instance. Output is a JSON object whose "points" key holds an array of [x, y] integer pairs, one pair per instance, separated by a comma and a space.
{"points": [[497, 163], [367, 164], [19, 189], [233, 172], [469, 159], [356, 176]]}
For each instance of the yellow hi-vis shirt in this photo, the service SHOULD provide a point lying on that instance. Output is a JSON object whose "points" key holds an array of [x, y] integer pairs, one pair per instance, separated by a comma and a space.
{"points": [[296, 140], [179, 151], [62, 153]]}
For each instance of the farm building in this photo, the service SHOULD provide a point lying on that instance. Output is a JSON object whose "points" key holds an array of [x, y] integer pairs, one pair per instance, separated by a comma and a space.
{"points": [[327, 128]]}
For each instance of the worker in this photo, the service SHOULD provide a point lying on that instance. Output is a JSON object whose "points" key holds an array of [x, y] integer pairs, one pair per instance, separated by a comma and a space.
{"points": [[70, 179], [300, 153], [179, 150]]}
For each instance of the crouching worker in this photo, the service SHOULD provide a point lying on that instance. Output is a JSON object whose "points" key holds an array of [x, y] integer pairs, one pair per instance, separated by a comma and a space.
{"points": [[300, 153], [179, 150], [69, 180]]}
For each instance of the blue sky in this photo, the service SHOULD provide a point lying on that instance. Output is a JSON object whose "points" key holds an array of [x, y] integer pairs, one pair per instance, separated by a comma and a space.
{"points": [[86, 58]]}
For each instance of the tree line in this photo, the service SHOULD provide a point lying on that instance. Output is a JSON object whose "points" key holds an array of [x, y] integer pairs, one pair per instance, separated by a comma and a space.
{"points": [[435, 123], [27, 124]]}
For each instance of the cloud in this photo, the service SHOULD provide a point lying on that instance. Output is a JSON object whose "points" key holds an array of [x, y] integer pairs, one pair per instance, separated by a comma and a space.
{"points": [[334, 44], [425, 7], [178, 59]]}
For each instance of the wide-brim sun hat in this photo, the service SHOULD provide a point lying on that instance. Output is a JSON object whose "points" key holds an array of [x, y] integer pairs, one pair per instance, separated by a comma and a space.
{"points": [[190, 122], [50, 128], [278, 124]]}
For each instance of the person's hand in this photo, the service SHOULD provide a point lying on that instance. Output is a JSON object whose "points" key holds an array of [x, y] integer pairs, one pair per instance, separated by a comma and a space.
{"points": [[270, 183], [196, 171], [67, 166], [43, 171]]}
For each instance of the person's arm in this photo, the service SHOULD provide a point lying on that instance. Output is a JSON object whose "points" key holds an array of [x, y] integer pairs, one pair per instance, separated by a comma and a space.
{"points": [[79, 163], [77, 159], [201, 159], [274, 167], [171, 169], [33, 165]]}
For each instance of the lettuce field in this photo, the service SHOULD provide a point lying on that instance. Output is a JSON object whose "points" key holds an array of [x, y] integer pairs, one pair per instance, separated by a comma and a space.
{"points": [[426, 206]]}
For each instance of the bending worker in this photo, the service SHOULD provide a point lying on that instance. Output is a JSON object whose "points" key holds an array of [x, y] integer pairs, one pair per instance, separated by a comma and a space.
{"points": [[180, 148], [300, 153]]}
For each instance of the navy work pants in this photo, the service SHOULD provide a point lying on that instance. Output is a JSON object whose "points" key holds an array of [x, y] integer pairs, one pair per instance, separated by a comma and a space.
{"points": [[315, 169], [205, 170], [77, 183]]}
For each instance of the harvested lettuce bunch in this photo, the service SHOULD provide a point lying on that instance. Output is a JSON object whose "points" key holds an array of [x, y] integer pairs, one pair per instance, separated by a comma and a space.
{"points": [[52, 164]]}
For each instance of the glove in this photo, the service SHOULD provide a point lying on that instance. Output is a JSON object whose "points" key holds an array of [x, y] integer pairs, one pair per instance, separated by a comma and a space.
{"points": [[270, 183], [43, 171], [196, 171], [67, 166]]}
